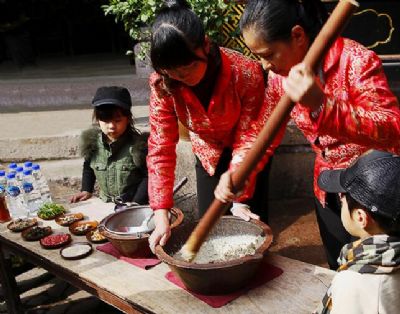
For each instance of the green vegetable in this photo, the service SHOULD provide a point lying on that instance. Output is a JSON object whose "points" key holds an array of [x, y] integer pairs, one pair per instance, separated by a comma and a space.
{"points": [[50, 210]]}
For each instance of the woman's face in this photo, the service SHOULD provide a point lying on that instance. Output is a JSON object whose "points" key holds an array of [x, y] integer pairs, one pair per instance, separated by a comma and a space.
{"points": [[192, 73], [114, 127], [278, 56]]}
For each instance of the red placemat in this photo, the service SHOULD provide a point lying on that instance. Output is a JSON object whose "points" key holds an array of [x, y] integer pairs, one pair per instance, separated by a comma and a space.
{"points": [[266, 273], [144, 263]]}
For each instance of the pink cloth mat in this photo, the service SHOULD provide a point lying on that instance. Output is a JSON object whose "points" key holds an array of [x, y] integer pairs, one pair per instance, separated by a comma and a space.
{"points": [[266, 273], [144, 263]]}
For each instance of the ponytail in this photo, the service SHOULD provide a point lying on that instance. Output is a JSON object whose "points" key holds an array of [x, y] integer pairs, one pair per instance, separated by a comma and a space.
{"points": [[176, 33], [274, 19]]}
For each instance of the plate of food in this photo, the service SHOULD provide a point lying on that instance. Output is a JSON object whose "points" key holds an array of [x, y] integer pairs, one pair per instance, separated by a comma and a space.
{"points": [[55, 241], [21, 224], [50, 211], [95, 236], [36, 233], [76, 250], [68, 219], [82, 227]]}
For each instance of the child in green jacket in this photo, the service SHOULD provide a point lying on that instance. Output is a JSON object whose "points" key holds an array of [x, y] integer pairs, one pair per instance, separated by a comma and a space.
{"points": [[114, 151]]}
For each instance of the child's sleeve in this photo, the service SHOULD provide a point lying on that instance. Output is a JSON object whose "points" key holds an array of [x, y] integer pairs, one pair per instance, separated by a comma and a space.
{"points": [[88, 177]]}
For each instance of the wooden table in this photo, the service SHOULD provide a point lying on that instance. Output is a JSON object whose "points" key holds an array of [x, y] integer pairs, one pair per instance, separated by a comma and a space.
{"points": [[131, 289]]}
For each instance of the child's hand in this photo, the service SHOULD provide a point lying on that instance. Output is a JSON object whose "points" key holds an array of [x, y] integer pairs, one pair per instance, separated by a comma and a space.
{"points": [[81, 196], [162, 232], [243, 211], [302, 87], [223, 191]]}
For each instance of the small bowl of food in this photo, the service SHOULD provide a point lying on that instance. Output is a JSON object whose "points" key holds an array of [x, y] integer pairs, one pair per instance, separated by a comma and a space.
{"points": [[82, 227], [35, 233], [95, 236], [21, 224], [50, 211], [76, 250], [55, 241], [68, 219]]}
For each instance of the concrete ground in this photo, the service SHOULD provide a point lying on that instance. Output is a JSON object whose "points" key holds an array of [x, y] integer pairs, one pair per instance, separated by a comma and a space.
{"points": [[44, 109]]}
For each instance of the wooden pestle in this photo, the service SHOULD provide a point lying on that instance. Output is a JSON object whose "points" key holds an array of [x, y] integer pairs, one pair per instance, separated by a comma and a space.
{"points": [[328, 34]]}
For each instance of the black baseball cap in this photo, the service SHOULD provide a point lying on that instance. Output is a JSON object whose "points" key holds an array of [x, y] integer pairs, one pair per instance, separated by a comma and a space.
{"points": [[112, 95], [373, 181]]}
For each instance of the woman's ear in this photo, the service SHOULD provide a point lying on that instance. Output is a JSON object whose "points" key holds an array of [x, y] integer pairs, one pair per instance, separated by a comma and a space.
{"points": [[300, 37]]}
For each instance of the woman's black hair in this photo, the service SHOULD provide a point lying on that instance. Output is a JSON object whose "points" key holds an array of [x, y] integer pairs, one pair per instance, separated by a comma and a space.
{"points": [[274, 19], [176, 33], [388, 225], [109, 112]]}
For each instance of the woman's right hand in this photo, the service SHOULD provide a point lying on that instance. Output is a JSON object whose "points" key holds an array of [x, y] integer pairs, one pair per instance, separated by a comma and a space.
{"points": [[162, 231], [223, 191], [81, 196]]}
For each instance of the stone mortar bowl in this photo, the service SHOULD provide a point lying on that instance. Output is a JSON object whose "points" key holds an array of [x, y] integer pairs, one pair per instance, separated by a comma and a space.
{"points": [[132, 244], [220, 277]]}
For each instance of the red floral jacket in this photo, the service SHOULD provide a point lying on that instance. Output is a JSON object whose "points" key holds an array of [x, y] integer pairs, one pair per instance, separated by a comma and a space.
{"points": [[359, 112], [236, 101]]}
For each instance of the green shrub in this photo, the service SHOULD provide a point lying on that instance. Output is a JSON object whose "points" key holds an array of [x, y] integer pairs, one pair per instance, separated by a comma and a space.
{"points": [[137, 14]]}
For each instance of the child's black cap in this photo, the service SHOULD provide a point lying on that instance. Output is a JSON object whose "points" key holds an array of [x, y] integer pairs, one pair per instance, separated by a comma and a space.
{"points": [[112, 95], [373, 181]]}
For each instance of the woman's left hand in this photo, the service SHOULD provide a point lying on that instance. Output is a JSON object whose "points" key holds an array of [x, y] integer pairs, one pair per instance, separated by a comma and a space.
{"points": [[243, 211], [302, 86]]}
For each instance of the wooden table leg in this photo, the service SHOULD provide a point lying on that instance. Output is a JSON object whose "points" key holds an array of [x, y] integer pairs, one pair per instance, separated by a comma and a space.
{"points": [[9, 285]]}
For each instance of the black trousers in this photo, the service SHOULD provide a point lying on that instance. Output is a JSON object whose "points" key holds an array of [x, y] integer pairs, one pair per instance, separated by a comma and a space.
{"points": [[206, 185], [334, 236]]}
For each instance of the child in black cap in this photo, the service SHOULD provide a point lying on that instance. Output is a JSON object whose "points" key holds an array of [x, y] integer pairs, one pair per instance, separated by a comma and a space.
{"points": [[114, 151], [368, 280]]}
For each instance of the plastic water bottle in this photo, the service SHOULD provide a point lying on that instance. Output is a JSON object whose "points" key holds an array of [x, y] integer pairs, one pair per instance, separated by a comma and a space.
{"points": [[19, 175], [12, 167], [42, 184], [3, 179], [28, 165], [16, 202], [32, 194]]}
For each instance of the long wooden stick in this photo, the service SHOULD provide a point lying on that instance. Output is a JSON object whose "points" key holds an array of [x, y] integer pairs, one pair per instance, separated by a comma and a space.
{"points": [[328, 34]]}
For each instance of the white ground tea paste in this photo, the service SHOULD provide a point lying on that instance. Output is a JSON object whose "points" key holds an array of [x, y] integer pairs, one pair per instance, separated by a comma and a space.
{"points": [[222, 249]]}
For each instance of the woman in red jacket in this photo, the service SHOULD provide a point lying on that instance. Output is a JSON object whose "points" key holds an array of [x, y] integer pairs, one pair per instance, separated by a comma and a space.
{"points": [[343, 111], [214, 92]]}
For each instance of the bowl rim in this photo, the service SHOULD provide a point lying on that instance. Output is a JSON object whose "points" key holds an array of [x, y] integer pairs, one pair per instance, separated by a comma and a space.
{"points": [[133, 236], [259, 254]]}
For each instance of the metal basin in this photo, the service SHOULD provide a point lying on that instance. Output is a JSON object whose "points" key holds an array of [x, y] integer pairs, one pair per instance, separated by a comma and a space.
{"points": [[119, 228], [221, 277]]}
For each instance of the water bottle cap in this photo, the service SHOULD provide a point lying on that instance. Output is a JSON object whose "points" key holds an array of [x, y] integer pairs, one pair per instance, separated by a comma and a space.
{"points": [[11, 175], [35, 167], [28, 164], [20, 169], [2, 173], [27, 172], [13, 165]]}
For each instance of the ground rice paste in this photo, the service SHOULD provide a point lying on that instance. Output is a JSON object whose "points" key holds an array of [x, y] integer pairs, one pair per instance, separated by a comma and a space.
{"points": [[222, 249]]}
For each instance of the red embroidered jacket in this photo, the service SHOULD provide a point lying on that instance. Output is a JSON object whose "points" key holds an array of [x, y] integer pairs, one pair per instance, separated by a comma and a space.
{"points": [[236, 101], [359, 112]]}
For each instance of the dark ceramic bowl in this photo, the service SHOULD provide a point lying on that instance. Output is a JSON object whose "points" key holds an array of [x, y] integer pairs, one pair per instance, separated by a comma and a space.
{"points": [[132, 244], [220, 277]]}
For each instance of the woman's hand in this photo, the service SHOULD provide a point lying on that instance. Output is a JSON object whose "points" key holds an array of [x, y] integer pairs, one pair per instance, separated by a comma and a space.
{"points": [[223, 191], [81, 196], [162, 231], [243, 211], [302, 86]]}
